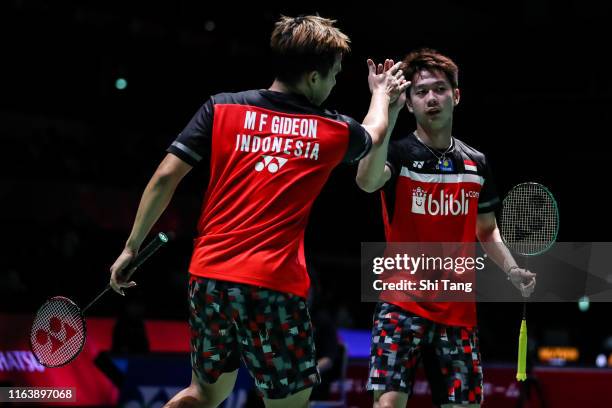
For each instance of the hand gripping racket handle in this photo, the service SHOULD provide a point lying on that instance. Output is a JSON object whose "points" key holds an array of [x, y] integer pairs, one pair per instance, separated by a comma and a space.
{"points": [[142, 256], [522, 353], [146, 253]]}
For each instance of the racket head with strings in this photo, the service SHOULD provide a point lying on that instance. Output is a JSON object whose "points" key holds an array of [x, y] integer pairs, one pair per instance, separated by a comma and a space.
{"points": [[529, 226], [530, 219], [58, 332]]}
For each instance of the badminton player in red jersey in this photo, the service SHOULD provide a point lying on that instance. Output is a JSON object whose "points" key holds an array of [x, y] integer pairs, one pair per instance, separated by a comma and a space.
{"points": [[271, 151], [435, 188]]}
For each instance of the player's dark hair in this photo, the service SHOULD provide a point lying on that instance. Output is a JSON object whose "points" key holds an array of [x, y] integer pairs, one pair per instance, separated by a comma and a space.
{"points": [[430, 60]]}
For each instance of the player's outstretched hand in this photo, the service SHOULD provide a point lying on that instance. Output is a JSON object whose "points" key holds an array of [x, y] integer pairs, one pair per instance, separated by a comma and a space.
{"points": [[387, 78]]}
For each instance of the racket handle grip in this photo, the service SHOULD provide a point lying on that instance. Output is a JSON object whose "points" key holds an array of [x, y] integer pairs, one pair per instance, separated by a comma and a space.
{"points": [[142, 256], [149, 250], [522, 353]]}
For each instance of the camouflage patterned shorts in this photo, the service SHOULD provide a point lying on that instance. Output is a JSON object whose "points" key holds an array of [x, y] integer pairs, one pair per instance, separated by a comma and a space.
{"points": [[271, 331], [450, 354]]}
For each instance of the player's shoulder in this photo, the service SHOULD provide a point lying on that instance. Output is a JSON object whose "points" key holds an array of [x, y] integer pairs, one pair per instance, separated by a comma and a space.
{"points": [[407, 143], [470, 152], [278, 102], [250, 97]]}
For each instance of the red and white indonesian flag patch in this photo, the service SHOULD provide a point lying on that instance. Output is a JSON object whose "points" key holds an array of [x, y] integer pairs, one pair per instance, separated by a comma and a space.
{"points": [[470, 165]]}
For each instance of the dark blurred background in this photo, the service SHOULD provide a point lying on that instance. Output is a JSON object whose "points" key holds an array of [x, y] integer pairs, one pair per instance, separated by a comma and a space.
{"points": [[79, 145]]}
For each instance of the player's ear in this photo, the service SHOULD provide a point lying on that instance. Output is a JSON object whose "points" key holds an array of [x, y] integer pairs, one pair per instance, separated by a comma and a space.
{"points": [[409, 101], [313, 77], [309, 84], [456, 96]]}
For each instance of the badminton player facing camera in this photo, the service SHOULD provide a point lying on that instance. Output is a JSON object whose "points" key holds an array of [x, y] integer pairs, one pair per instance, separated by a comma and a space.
{"points": [[428, 162], [270, 153]]}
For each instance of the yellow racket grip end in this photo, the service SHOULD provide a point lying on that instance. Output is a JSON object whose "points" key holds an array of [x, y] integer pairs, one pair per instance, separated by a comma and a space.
{"points": [[522, 353]]}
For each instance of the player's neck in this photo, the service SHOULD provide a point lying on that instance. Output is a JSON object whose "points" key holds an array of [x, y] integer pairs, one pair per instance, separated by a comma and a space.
{"points": [[280, 86], [436, 138]]}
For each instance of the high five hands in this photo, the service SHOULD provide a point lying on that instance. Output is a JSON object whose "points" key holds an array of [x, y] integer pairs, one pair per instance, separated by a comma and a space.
{"points": [[388, 78]]}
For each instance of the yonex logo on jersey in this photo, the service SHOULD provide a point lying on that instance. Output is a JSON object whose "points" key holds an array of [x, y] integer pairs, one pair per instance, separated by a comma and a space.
{"points": [[273, 164], [445, 204], [418, 164]]}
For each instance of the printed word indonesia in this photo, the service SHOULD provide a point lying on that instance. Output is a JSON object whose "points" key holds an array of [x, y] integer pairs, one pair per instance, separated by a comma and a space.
{"points": [[280, 127]]}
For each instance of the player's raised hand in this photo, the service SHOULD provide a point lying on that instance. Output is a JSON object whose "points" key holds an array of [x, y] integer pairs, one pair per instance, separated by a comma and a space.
{"points": [[387, 78], [399, 103]]}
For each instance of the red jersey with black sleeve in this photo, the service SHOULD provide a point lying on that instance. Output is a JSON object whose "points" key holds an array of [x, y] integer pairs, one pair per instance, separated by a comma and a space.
{"points": [[270, 155], [427, 201]]}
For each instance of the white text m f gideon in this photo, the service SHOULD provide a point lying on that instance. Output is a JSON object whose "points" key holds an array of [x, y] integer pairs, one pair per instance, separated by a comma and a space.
{"points": [[281, 125]]}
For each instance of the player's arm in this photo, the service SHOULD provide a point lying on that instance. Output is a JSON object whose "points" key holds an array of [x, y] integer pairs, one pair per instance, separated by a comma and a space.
{"points": [[386, 84], [189, 149], [489, 236], [372, 172], [154, 200]]}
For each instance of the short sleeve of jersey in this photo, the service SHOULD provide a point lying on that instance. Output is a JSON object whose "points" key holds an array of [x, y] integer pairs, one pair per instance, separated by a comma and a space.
{"points": [[488, 200], [360, 141], [394, 158], [194, 141]]}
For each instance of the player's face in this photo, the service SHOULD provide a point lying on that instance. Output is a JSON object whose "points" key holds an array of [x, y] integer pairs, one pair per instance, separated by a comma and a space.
{"points": [[325, 84], [432, 99]]}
